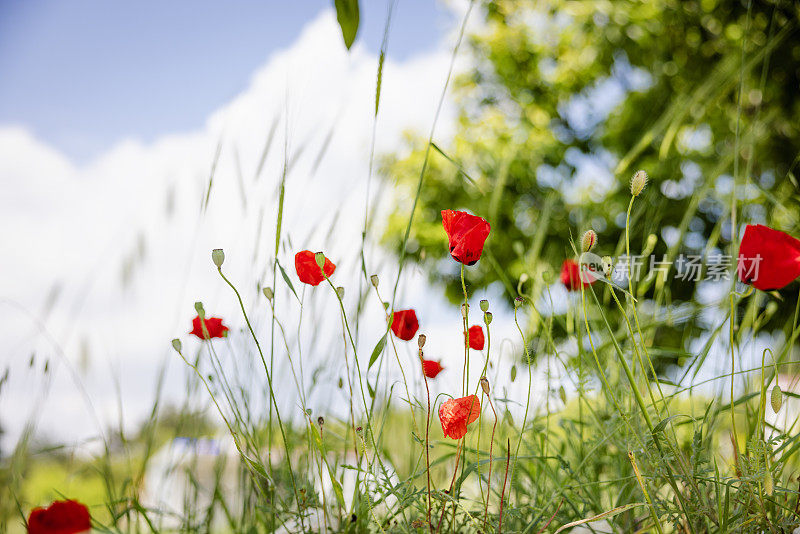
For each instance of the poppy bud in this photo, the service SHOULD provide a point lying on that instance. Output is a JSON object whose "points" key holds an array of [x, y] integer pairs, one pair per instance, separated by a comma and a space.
{"points": [[484, 305], [319, 257], [638, 182], [268, 293], [562, 394], [772, 307], [513, 372], [341, 383], [198, 306], [776, 398], [340, 292], [320, 420], [588, 240], [464, 310], [176, 344], [374, 280], [218, 257], [421, 340], [547, 276], [607, 266], [487, 318], [518, 302], [523, 278], [485, 384]]}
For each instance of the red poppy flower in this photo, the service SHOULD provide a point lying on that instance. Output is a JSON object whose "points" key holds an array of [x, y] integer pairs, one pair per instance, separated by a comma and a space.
{"points": [[431, 368], [213, 325], [305, 263], [475, 337], [405, 324], [768, 259], [456, 414], [466, 234], [572, 277], [61, 517]]}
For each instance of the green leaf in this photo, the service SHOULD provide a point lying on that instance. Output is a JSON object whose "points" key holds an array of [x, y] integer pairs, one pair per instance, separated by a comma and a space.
{"points": [[347, 15], [287, 280], [377, 351]]}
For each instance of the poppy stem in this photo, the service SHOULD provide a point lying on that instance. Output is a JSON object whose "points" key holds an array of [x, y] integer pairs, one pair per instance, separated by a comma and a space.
{"points": [[465, 317], [503, 491], [452, 482], [491, 460], [427, 447]]}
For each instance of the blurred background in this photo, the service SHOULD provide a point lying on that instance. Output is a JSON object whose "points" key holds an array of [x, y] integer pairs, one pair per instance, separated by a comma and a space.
{"points": [[136, 138]]}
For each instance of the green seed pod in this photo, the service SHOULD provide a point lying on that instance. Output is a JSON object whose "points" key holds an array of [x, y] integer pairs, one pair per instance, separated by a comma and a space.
{"points": [[374, 280], [198, 306], [484, 305], [268, 293], [776, 398], [218, 257], [487, 318], [340, 292], [176, 344], [421, 340], [485, 384], [319, 257]]}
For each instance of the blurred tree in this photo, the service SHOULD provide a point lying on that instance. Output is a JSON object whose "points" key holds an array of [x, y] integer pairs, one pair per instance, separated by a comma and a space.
{"points": [[565, 100]]}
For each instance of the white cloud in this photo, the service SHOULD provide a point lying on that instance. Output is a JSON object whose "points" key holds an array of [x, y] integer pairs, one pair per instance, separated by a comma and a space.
{"points": [[129, 266]]}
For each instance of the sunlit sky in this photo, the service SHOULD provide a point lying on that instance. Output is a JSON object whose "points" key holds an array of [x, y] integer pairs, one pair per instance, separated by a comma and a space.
{"points": [[83, 74]]}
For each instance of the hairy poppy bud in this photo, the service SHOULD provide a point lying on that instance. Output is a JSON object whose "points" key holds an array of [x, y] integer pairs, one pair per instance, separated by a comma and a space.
{"points": [[638, 182], [374, 280], [176, 344], [340, 292], [268, 293], [485, 384], [421, 340], [218, 257], [487, 318], [320, 420], [518, 302], [464, 310], [484, 305], [588, 240], [198, 306], [776, 398], [319, 257]]}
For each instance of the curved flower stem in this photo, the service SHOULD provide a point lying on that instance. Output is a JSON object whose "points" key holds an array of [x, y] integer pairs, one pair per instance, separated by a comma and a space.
{"points": [[271, 390], [465, 319], [427, 446]]}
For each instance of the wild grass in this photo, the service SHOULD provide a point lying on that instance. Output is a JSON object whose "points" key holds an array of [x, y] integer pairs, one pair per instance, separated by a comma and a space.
{"points": [[602, 444]]}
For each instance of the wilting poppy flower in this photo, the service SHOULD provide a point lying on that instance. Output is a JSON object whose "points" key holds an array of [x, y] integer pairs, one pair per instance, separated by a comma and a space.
{"points": [[475, 337], [405, 324], [768, 259], [61, 517], [213, 325], [431, 368], [305, 263], [466, 234], [456, 414], [572, 277]]}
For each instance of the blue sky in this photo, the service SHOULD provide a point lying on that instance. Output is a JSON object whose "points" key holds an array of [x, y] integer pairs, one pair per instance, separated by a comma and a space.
{"points": [[84, 74]]}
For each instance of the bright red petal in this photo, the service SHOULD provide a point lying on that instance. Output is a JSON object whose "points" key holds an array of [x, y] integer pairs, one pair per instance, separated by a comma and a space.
{"points": [[768, 259]]}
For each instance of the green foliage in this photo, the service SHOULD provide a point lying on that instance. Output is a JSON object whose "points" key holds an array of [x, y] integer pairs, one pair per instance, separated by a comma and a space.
{"points": [[536, 153], [347, 16]]}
